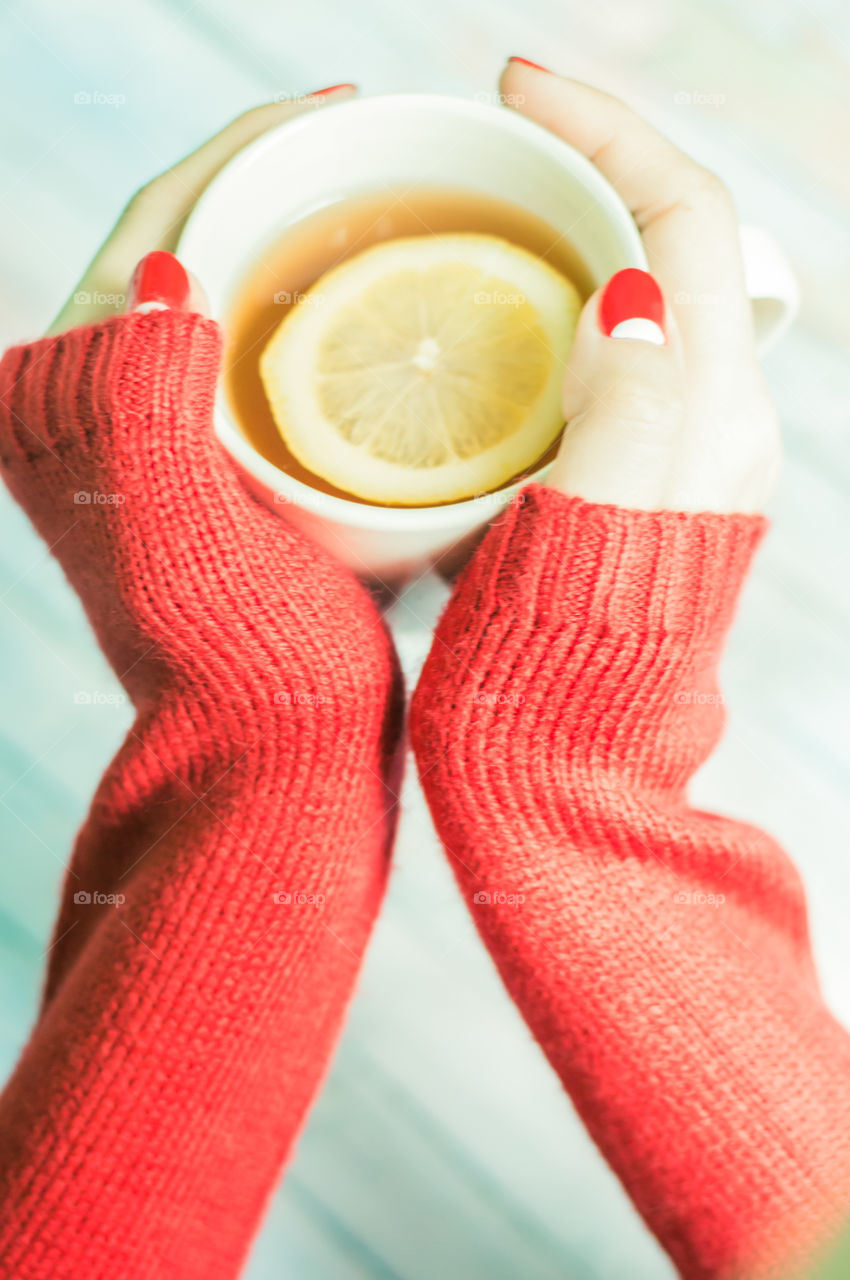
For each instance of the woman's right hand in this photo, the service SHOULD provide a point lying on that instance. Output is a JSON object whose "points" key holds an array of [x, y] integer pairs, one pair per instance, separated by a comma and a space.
{"points": [[156, 214], [119, 451], [197, 593], [224, 885]]}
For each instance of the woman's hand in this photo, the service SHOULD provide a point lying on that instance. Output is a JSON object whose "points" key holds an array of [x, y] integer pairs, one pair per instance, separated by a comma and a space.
{"points": [[225, 883], [155, 216], [198, 595], [658, 953], [687, 425]]}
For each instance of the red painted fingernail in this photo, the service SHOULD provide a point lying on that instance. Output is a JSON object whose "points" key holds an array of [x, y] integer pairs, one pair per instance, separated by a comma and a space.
{"points": [[525, 62], [320, 93], [632, 306], [159, 283]]}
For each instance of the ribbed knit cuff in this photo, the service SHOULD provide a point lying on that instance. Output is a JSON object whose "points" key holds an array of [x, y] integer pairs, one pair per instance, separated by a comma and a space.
{"points": [[566, 560], [69, 393], [107, 441], [594, 626]]}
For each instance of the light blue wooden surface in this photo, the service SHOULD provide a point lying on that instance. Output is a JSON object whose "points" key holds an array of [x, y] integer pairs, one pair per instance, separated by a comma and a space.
{"points": [[442, 1145]]}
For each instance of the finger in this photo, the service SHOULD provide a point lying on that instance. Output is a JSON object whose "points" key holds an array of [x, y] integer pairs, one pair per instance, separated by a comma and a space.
{"points": [[163, 206], [684, 212], [160, 282], [623, 398], [155, 216], [201, 165]]}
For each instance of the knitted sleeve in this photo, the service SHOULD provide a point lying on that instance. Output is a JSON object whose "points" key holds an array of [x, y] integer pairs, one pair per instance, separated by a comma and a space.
{"points": [[658, 953], [222, 890]]}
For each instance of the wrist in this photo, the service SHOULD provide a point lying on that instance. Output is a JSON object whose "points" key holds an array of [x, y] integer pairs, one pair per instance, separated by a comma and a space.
{"points": [[196, 591], [579, 627], [556, 561]]}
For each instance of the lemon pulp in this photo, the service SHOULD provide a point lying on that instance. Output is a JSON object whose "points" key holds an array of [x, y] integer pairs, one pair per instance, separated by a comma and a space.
{"points": [[425, 369]]}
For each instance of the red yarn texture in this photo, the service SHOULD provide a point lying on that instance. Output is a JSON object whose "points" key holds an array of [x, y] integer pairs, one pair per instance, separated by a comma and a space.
{"points": [[184, 1033], [569, 696]]}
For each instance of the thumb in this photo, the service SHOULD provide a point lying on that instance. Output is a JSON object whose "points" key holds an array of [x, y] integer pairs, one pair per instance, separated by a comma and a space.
{"points": [[624, 401], [160, 282]]}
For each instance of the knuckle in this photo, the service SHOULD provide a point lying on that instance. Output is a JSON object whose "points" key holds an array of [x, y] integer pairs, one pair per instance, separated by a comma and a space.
{"points": [[256, 116], [613, 101], [761, 461], [152, 197], [705, 187], [645, 409]]}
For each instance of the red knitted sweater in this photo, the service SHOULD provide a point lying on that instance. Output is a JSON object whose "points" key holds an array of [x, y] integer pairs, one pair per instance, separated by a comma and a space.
{"points": [[659, 953], [247, 818], [246, 821]]}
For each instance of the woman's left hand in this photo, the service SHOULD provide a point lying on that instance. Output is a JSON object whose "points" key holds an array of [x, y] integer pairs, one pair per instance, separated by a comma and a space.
{"points": [[687, 425]]}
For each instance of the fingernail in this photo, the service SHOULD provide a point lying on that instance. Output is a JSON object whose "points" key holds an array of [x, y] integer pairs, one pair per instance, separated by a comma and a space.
{"points": [[320, 93], [525, 62], [159, 283], [632, 306]]}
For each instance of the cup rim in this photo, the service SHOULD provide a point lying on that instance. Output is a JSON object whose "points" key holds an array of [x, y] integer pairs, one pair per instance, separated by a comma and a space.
{"points": [[364, 514]]}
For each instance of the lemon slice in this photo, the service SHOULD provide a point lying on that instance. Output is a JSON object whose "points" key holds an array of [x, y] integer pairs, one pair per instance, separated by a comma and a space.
{"points": [[424, 370]]}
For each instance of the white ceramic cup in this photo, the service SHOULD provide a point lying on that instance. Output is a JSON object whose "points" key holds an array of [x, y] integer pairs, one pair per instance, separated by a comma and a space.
{"points": [[394, 142]]}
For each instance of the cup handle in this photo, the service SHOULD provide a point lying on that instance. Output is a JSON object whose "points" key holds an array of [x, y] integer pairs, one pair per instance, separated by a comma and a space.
{"points": [[771, 285]]}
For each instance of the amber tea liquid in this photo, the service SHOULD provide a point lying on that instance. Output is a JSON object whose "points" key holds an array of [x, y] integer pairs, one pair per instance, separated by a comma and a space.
{"points": [[306, 250]]}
